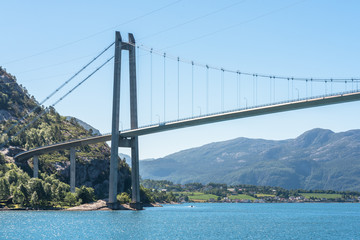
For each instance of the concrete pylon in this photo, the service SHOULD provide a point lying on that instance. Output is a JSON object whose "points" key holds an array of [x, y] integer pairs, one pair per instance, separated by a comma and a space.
{"points": [[36, 166], [72, 169], [115, 121], [115, 136], [135, 179]]}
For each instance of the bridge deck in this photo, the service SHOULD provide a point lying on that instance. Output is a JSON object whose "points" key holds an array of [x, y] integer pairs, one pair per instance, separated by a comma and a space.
{"points": [[59, 146], [237, 114]]}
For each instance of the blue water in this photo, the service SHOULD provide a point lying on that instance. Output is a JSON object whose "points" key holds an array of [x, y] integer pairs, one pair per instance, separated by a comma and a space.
{"points": [[203, 221]]}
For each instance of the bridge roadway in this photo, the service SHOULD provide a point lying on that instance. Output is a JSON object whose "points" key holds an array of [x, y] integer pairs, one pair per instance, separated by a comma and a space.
{"points": [[224, 116]]}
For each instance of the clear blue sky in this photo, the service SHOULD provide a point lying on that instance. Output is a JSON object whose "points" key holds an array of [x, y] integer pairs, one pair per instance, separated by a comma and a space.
{"points": [[43, 43]]}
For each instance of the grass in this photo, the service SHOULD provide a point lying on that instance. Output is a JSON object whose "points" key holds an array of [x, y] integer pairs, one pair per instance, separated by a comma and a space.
{"points": [[197, 196], [13, 206], [321, 195], [202, 196], [261, 195], [198, 200], [242, 196]]}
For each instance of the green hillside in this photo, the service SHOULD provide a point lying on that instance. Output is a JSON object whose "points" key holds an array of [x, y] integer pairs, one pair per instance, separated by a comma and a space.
{"points": [[92, 161]]}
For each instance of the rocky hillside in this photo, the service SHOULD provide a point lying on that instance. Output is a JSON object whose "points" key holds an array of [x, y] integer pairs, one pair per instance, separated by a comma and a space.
{"points": [[92, 161], [317, 159], [88, 127], [14, 99]]}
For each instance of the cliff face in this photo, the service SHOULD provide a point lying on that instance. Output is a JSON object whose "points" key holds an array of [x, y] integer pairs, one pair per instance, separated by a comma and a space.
{"points": [[89, 172], [95, 174]]}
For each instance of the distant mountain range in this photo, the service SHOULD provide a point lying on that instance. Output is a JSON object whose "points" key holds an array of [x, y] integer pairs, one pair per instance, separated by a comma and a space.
{"points": [[317, 159]]}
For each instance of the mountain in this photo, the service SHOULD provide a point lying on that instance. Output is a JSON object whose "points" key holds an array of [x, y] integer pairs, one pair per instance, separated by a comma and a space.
{"points": [[126, 157], [85, 125], [14, 99], [317, 159]]}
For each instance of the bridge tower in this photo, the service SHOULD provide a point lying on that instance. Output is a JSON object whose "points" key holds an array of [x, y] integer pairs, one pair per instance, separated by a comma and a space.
{"points": [[116, 140]]}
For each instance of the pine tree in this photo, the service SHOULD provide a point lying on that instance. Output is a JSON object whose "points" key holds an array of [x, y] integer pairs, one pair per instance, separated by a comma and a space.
{"points": [[4, 188], [25, 192]]}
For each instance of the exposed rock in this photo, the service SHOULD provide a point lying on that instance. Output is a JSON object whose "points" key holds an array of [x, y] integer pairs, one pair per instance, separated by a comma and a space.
{"points": [[100, 205], [5, 115], [12, 151], [94, 174]]}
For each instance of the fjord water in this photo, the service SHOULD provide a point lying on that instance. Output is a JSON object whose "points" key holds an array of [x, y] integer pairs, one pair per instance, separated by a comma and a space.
{"points": [[202, 221]]}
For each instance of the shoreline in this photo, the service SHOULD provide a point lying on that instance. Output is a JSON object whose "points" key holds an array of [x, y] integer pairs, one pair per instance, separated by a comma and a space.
{"points": [[101, 205]]}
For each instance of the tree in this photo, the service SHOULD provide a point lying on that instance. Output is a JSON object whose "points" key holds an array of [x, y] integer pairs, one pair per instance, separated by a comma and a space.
{"points": [[12, 176], [170, 197], [86, 194], [145, 195], [4, 188], [2, 159], [47, 189], [34, 202], [60, 192], [194, 186], [70, 199], [123, 198], [35, 185], [25, 192], [18, 197]]}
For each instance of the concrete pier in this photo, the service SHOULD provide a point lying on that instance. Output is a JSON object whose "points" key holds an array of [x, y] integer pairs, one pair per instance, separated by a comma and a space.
{"points": [[135, 178], [72, 169], [115, 122], [36, 166]]}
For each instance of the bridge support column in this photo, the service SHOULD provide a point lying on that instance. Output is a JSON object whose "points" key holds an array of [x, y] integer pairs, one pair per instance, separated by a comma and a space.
{"points": [[115, 135], [36, 166], [72, 169], [135, 178], [113, 179]]}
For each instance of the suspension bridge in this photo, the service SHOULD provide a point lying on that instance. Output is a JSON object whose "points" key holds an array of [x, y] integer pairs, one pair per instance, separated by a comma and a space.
{"points": [[221, 93]]}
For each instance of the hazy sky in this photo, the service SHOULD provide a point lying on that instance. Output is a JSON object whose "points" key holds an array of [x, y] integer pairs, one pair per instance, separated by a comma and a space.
{"points": [[44, 42]]}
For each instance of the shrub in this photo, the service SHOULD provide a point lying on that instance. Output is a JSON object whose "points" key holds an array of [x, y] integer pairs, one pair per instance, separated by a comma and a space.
{"points": [[70, 198], [86, 194], [123, 198]]}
